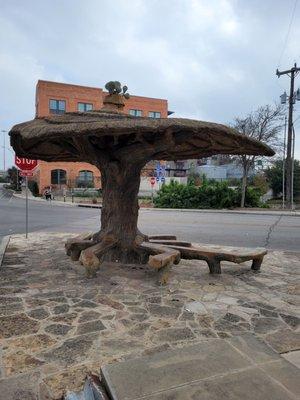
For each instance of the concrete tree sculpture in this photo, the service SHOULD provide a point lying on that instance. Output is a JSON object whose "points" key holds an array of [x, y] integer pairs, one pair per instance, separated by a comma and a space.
{"points": [[120, 145]]}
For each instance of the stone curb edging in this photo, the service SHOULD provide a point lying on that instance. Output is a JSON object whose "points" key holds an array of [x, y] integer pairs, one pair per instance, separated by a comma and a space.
{"points": [[3, 246]]}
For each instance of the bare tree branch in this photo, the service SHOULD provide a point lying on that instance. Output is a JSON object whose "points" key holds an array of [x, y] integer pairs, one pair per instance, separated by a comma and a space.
{"points": [[264, 124]]}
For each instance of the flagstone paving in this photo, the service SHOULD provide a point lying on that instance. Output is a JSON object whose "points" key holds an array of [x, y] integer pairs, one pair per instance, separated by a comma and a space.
{"points": [[56, 325]]}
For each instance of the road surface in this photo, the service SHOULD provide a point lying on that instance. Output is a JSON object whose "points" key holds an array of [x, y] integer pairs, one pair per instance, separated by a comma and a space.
{"points": [[271, 231]]}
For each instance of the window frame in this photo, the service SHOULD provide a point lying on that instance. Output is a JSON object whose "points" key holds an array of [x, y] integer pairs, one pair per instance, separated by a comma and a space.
{"points": [[136, 112], [85, 106], [154, 114], [86, 175], [61, 176], [57, 109]]}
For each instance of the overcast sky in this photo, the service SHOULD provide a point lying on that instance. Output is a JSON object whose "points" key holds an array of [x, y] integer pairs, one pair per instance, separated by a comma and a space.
{"points": [[212, 59]]}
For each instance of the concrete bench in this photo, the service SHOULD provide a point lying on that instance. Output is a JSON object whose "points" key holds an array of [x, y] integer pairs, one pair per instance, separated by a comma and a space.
{"points": [[161, 258], [212, 254]]}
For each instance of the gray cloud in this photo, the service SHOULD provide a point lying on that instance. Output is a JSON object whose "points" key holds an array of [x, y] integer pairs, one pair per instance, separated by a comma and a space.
{"points": [[212, 59]]}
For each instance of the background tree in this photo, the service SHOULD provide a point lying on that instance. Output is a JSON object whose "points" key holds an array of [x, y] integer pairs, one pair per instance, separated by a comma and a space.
{"points": [[274, 177], [13, 178], [260, 181], [264, 124]]}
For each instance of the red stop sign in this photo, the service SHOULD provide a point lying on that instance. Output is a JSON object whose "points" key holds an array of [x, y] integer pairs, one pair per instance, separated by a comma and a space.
{"points": [[25, 164]]}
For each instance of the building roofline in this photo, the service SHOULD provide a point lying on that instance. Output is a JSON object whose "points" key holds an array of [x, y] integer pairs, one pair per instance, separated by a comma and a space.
{"points": [[142, 97], [94, 88], [68, 84]]}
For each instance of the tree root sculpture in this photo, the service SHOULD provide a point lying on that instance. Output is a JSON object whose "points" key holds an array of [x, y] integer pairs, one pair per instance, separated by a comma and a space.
{"points": [[75, 246], [160, 251], [91, 256], [90, 252]]}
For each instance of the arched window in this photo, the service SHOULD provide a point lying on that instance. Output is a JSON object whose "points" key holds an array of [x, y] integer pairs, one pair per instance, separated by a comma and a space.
{"points": [[86, 178], [58, 177]]}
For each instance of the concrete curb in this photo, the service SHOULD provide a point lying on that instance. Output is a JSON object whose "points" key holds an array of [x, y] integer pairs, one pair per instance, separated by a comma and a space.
{"points": [[39, 199], [57, 202], [3, 245], [225, 211], [209, 211], [89, 205]]}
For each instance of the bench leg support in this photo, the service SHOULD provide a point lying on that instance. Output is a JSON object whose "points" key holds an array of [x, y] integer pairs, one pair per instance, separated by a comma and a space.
{"points": [[163, 274], [256, 264], [214, 266]]}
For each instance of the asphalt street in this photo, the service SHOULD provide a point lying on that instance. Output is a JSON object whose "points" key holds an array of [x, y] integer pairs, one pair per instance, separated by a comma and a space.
{"points": [[271, 231]]}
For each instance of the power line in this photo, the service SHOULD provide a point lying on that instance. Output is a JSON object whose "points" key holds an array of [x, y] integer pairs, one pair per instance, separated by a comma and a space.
{"points": [[288, 32]]}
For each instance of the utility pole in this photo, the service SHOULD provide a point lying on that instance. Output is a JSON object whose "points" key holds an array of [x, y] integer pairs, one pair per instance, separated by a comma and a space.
{"points": [[289, 167], [283, 164]]}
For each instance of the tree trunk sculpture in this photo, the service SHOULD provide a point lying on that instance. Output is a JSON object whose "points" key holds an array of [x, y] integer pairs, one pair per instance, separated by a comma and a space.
{"points": [[120, 145]]}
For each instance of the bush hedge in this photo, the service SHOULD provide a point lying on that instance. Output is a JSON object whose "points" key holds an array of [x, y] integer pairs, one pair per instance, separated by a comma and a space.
{"points": [[33, 187], [212, 194]]}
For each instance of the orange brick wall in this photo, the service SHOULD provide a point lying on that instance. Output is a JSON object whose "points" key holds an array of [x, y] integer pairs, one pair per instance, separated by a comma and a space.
{"points": [[72, 169], [73, 94], [146, 104]]}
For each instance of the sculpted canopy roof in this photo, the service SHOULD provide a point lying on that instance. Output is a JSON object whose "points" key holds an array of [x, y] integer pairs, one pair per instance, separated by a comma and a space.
{"points": [[84, 136]]}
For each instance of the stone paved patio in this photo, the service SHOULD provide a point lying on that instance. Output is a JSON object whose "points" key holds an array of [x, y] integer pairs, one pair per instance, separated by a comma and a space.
{"points": [[56, 325]]}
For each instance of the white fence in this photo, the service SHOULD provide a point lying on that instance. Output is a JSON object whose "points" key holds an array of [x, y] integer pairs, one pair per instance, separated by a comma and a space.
{"points": [[146, 188]]}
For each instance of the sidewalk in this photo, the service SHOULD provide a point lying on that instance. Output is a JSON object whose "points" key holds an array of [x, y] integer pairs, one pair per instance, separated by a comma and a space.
{"points": [[56, 325]]}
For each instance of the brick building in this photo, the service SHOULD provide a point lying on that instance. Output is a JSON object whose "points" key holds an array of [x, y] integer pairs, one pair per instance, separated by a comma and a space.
{"points": [[57, 98]]}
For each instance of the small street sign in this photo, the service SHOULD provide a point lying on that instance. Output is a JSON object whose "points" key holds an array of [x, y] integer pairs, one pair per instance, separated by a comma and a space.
{"points": [[25, 164], [26, 173], [160, 172]]}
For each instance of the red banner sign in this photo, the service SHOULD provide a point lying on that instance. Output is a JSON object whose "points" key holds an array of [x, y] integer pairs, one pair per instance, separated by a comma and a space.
{"points": [[26, 173]]}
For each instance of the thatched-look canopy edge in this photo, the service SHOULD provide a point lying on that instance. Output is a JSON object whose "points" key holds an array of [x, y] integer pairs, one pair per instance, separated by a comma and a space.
{"points": [[66, 137]]}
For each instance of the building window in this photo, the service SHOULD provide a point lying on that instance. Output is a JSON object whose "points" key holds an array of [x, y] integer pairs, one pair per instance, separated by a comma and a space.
{"points": [[57, 106], [85, 179], [154, 114], [135, 113], [179, 164], [84, 107], [58, 177]]}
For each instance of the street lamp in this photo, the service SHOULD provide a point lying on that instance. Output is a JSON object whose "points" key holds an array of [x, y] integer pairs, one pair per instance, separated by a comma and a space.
{"points": [[7, 148], [4, 132]]}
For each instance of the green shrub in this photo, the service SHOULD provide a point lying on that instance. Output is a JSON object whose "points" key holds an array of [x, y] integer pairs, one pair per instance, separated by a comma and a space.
{"points": [[87, 193], [33, 187], [252, 197], [209, 195], [212, 194]]}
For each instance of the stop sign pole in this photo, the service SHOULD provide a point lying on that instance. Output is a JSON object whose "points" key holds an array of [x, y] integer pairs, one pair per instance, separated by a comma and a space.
{"points": [[26, 166], [152, 182]]}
